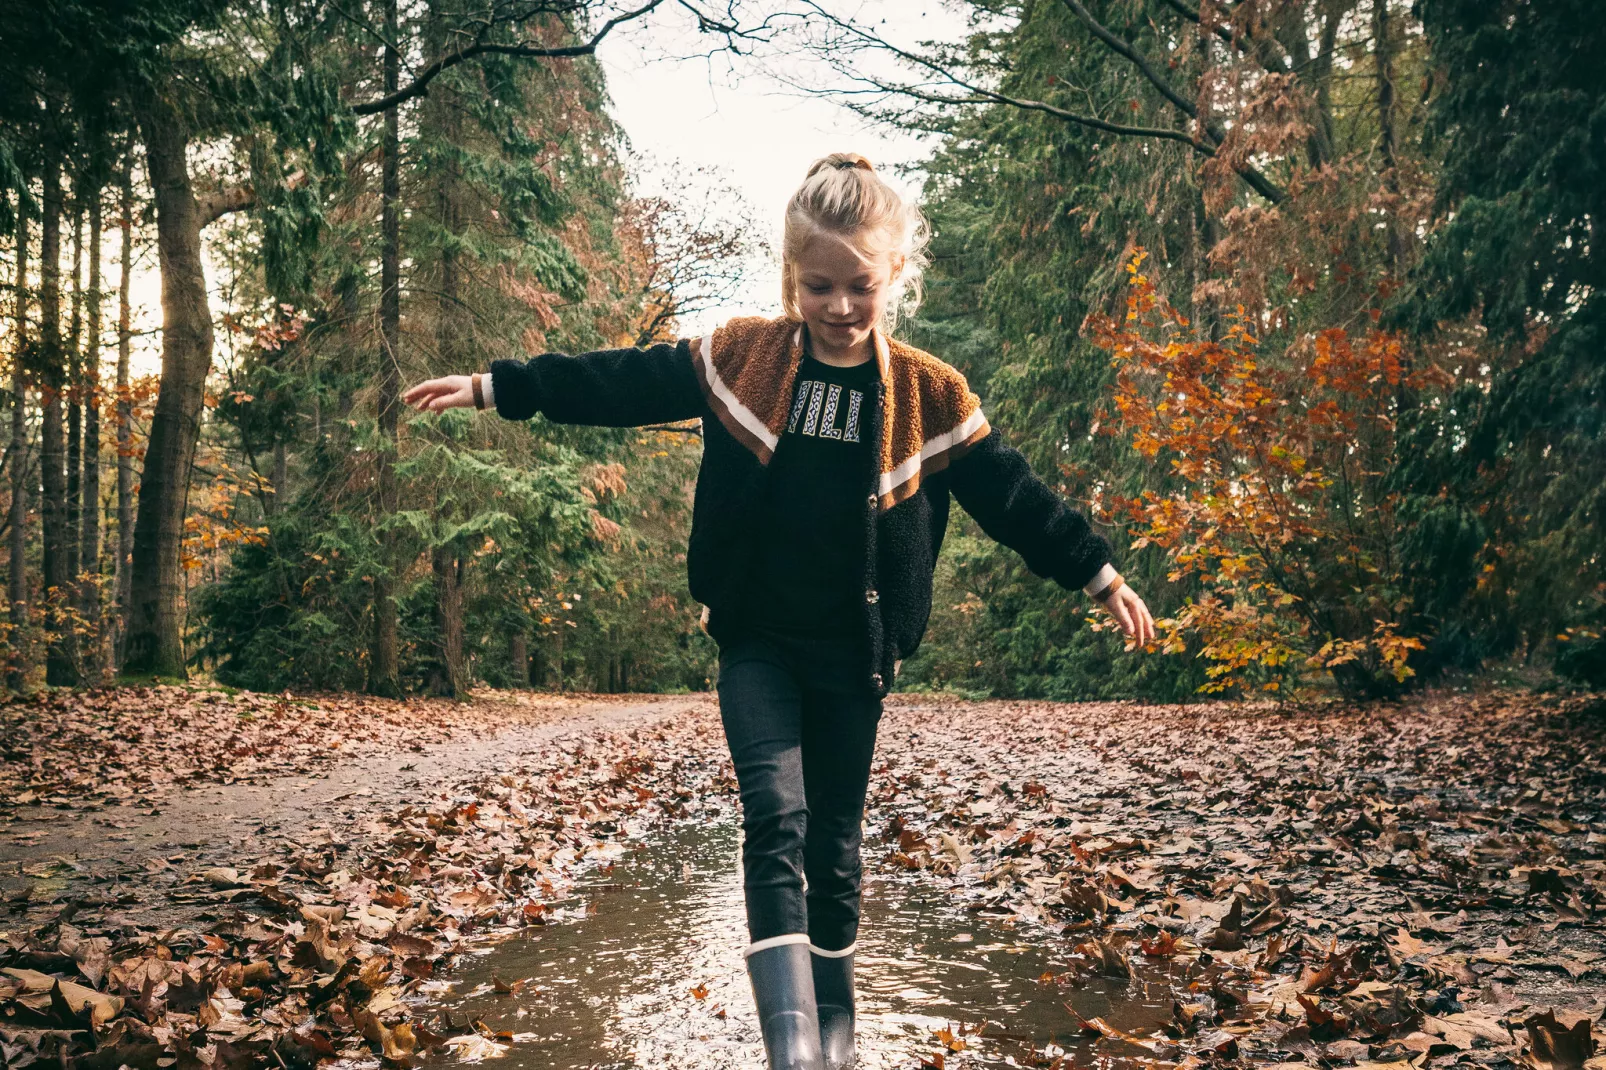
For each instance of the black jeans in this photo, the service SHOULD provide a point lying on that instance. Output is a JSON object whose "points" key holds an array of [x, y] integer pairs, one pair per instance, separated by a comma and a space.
{"points": [[802, 757]]}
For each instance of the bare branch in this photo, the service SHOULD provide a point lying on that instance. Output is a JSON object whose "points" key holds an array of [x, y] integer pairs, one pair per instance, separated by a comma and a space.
{"points": [[987, 96], [973, 93], [1137, 60], [420, 85], [982, 95], [1236, 41], [1247, 171], [216, 204]]}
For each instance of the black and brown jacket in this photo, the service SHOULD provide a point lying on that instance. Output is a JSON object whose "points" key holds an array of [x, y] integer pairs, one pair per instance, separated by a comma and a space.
{"points": [[933, 440]]}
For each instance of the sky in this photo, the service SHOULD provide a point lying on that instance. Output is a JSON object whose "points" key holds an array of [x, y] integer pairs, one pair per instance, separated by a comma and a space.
{"points": [[759, 135]]}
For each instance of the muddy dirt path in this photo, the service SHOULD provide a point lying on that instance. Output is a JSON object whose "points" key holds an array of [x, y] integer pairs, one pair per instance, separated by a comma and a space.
{"points": [[105, 847]]}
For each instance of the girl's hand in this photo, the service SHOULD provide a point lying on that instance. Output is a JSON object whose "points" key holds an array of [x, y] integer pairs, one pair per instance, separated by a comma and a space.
{"points": [[1130, 612], [437, 395]]}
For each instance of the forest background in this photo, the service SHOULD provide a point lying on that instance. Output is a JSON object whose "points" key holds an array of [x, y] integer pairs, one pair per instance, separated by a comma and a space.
{"points": [[1299, 299]]}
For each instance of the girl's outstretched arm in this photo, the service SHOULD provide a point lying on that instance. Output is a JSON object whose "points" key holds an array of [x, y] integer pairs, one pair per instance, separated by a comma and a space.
{"points": [[996, 485], [624, 387]]}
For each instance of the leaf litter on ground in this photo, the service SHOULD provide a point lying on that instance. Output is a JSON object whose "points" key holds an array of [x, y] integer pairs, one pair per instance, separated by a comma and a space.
{"points": [[1418, 883]]}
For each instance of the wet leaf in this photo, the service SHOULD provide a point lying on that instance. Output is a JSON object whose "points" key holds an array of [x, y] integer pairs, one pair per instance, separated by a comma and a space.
{"points": [[1558, 1047]]}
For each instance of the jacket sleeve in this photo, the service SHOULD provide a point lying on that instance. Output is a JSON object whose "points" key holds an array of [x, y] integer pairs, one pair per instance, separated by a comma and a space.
{"points": [[995, 484], [607, 387]]}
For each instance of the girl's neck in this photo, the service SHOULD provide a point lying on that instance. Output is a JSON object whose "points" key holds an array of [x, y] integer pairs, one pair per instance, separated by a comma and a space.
{"points": [[839, 358]]}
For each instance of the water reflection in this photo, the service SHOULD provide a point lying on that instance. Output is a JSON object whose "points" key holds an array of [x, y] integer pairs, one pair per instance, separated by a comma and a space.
{"points": [[652, 975]]}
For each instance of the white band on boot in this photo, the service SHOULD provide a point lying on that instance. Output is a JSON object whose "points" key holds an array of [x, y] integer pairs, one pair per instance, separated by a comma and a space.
{"points": [[775, 941], [844, 953]]}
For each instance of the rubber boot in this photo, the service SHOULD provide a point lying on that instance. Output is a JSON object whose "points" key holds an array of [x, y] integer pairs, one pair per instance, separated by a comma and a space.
{"points": [[833, 994], [783, 990]]}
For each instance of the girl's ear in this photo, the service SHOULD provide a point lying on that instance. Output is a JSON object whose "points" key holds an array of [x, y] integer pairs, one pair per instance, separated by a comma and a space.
{"points": [[898, 261]]}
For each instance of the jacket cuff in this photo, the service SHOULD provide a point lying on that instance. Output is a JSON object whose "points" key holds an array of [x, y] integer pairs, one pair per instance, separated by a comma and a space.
{"points": [[1100, 581], [488, 390]]}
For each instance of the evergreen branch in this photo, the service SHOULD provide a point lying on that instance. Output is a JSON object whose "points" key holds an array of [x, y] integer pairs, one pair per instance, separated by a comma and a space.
{"points": [[420, 85]]}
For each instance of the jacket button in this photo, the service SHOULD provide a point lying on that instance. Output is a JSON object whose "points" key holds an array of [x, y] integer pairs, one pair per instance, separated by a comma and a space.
{"points": [[875, 679], [874, 498], [871, 597]]}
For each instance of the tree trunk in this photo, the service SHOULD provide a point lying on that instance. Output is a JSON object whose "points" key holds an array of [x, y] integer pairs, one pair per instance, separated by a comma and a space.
{"points": [[448, 587], [125, 408], [75, 399], [281, 474], [17, 659], [89, 556], [1321, 74], [155, 640], [448, 569], [59, 660], [1383, 54], [384, 671], [519, 655]]}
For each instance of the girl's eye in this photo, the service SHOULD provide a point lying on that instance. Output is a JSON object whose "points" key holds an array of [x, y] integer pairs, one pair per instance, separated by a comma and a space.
{"points": [[819, 289], [863, 289]]}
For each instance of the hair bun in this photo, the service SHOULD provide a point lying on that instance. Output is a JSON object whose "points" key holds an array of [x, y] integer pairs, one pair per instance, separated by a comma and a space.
{"points": [[842, 161]]}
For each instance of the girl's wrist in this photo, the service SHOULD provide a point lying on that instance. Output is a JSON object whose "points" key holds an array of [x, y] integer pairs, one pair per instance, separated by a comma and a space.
{"points": [[1099, 586]]}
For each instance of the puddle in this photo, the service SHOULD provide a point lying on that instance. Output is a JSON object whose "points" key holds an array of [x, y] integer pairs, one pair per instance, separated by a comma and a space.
{"points": [[614, 989]]}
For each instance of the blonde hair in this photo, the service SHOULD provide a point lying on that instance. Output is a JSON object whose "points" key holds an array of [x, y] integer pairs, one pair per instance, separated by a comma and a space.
{"points": [[843, 195]]}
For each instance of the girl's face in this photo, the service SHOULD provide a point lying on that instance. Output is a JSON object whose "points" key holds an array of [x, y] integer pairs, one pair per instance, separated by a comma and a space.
{"points": [[840, 292]]}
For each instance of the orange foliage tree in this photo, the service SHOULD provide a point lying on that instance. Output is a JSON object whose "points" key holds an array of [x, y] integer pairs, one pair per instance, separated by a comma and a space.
{"points": [[1275, 497]]}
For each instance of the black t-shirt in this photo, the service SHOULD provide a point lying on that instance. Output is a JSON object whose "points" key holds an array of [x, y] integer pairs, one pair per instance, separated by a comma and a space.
{"points": [[806, 575]]}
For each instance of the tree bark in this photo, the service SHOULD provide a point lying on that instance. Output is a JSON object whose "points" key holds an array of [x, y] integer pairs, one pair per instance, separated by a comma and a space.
{"points": [[75, 401], [448, 569], [17, 659], [155, 641], [384, 669], [448, 582], [281, 474], [1383, 55], [519, 655], [89, 555], [1321, 73], [59, 661], [125, 408]]}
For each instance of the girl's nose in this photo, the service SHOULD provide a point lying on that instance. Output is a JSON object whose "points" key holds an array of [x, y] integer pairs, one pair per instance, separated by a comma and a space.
{"points": [[839, 305]]}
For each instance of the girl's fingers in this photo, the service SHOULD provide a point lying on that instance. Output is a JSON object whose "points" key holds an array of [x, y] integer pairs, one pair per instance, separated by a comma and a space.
{"points": [[1134, 617], [1122, 615], [1145, 622], [433, 395]]}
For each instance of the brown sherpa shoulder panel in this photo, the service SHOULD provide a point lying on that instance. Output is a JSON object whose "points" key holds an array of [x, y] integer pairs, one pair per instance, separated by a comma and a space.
{"points": [[746, 368], [932, 418]]}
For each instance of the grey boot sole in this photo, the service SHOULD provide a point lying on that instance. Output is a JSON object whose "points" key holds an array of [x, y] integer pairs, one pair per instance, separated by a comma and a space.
{"points": [[833, 993], [783, 991]]}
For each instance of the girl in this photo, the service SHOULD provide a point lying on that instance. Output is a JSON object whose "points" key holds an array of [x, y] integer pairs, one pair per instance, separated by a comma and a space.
{"points": [[830, 450]]}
